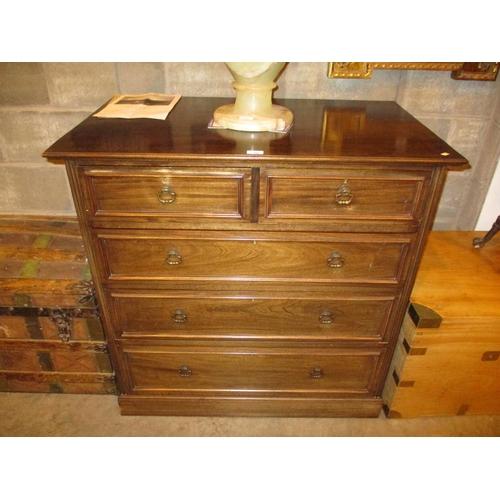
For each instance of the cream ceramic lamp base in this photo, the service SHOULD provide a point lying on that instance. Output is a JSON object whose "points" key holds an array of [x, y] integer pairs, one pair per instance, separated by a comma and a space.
{"points": [[253, 110]]}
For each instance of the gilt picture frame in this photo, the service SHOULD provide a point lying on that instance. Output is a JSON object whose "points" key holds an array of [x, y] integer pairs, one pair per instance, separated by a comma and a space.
{"points": [[480, 71]]}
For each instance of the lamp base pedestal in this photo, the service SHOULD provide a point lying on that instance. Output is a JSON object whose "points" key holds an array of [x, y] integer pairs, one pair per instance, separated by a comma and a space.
{"points": [[274, 119]]}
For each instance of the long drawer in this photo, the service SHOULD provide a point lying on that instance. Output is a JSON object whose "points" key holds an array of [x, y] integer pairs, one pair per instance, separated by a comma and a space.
{"points": [[243, 371], [217, 316], [263, 256]]}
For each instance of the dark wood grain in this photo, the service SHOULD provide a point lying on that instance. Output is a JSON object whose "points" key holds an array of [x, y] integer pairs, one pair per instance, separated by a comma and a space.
{"points": [[170, 193], [248, 372], [209, 316], [248, 406], [262, 257], [376, 131]]}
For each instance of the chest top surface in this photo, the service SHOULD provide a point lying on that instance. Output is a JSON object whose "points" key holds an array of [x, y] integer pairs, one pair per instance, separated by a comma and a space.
{"points": [[337, 131]]}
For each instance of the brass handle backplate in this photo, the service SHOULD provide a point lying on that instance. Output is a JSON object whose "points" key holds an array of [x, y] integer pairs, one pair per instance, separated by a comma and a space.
{"points": [[335, 260], [173, 258], [317, 372], [166, 195], [344, 195], [326, 318], [185, 371], [179, 316]]}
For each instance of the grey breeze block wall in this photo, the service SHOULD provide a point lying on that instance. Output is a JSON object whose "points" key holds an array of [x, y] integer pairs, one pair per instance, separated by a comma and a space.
{"points": [[39, 102]]}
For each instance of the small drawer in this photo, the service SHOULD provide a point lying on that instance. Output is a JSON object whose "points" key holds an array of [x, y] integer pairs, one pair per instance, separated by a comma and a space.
{"points": [[166, 193], [344, 195], [165, 316], [245, 371], [374, 259]]}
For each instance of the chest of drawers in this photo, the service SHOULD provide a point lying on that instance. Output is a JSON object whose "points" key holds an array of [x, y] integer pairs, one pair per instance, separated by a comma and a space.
{"points": [[255, 273]]}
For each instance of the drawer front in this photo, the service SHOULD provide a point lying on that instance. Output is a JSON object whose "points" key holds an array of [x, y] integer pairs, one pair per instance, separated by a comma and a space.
{"points": [[342, 195], [251, 371], [169, 193], [215, 317], [264, 257]]}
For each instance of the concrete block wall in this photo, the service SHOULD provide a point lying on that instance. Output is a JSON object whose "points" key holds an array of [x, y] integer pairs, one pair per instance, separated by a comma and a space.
{"points": [[39, 102]]}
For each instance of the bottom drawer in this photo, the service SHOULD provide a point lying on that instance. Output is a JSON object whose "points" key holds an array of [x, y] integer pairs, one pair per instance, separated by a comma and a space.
{"points": [[247, 371]]}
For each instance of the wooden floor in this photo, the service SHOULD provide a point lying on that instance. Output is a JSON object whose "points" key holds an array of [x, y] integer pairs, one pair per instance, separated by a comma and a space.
{"points": [[28, 414]]}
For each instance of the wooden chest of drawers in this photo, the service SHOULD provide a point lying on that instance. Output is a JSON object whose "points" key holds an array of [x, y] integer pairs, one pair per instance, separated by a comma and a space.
{"points": [[255, 273]]}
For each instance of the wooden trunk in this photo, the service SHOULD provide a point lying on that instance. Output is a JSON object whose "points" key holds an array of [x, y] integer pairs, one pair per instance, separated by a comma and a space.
{"points": [[51, 337], [447, 359]]}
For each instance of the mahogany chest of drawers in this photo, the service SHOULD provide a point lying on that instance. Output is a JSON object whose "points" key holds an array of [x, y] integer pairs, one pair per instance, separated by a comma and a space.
{"points": [[255, 273]]}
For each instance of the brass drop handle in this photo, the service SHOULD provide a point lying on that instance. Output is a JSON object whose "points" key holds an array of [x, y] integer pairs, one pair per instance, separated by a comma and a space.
{"points": [[317, 372], [344, 195], [173, 258], [185, 371], [326, 318], [179, 316], [166, 195], [335, 260]]}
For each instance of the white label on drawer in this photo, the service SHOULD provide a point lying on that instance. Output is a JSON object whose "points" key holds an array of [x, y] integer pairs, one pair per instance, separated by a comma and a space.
{"points": [[254, 152]]}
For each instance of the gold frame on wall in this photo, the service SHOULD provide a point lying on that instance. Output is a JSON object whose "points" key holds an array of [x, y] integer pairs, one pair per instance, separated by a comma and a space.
{"points": [[485, 71]]}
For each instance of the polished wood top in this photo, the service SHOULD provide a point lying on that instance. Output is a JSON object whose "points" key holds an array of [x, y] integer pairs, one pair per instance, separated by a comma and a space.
{"points": [[338, 131]]}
